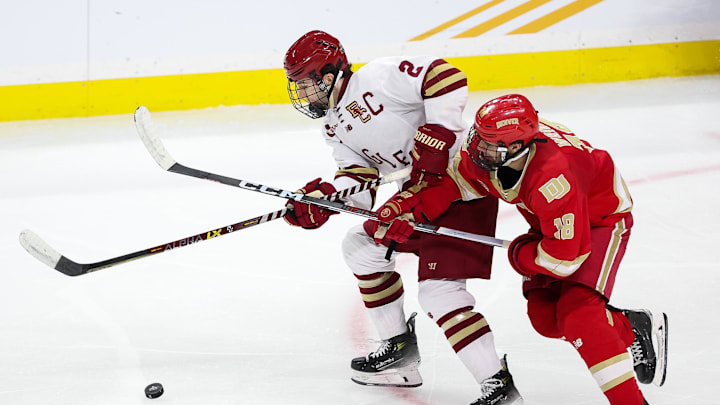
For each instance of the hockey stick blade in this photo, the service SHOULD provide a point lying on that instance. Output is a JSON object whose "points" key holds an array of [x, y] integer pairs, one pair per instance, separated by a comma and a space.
{"points": [[39, 249], [42, 251], [143, 121], [157, 151], [45, 253]]}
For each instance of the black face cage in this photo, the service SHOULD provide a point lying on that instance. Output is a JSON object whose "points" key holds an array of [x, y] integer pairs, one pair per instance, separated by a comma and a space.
{"points": [[315, 109], [479, 151]]}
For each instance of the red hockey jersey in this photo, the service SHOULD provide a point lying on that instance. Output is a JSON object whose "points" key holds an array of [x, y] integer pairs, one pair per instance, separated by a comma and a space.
{"points": [[566, 188]]}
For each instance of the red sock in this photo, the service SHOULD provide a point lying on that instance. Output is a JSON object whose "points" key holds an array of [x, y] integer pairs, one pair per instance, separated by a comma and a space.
{"points": [[585, 323]]}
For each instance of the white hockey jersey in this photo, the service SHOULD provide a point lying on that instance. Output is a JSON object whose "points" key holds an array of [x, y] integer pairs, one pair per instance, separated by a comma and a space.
{"points": [[372, 125]]}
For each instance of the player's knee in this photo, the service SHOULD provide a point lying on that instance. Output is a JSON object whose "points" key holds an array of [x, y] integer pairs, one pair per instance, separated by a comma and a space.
{"points": [[578, 307], [440, 297], [362, 255], [541, 311]]}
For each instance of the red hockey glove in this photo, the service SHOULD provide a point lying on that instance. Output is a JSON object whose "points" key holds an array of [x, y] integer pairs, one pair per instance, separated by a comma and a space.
{"points": [[523, 241], [310, 216], [398, 211], [430, 153]]}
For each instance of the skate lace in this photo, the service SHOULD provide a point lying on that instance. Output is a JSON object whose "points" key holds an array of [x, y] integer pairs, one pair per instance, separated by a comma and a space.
{"points": [[637, 353], [489, 387], [381, 351]]}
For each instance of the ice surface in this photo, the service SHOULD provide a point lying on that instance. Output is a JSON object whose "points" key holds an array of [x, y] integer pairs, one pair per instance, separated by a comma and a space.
{"points": [[271, 315]]}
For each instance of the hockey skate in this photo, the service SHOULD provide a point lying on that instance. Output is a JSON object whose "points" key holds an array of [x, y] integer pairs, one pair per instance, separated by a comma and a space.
{"points": [[395, 363], [649, 350], [499, 389]]}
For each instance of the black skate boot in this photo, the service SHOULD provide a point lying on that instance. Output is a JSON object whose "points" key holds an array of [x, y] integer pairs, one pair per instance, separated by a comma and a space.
{"points": [[649, 350], [499, 389], [395, 363]]}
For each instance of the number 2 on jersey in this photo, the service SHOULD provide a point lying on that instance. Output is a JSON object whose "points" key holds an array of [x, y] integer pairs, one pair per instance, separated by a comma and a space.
{"points": [[406, 66]]}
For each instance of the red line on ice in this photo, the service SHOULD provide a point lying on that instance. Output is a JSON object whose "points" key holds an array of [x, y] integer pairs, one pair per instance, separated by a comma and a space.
{"points": [[673, 174]]}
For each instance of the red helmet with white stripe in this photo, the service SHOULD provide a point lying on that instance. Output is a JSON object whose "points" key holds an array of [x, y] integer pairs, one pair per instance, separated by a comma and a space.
{"points": [[499, 123]]}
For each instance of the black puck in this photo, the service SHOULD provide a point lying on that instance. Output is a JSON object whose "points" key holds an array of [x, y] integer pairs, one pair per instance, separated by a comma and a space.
{"points": [[154, 390]]}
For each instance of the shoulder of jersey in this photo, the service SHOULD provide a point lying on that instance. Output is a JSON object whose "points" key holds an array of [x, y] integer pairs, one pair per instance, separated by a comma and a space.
{"points": [[548, 162]]}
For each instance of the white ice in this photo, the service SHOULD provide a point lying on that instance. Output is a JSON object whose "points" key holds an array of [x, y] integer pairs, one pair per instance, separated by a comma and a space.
{"points": [[271, 315]]}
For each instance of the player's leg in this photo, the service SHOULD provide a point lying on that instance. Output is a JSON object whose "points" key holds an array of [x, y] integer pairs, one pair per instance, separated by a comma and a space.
{"points": [[444, 265], [583, 320], [600, 337], [450, 305], [644, 332], [542, 295], [395, 362]]}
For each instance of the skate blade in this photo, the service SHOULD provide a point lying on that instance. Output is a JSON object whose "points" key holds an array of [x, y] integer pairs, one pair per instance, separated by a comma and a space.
{"points": [[660, 335], [407, 377], [517, 401]]}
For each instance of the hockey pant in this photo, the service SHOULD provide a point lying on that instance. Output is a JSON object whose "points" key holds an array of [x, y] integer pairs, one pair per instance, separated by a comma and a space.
{"points": [[445, 301], [577, 313]]}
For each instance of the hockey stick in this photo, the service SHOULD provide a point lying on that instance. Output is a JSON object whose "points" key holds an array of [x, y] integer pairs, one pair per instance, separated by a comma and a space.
{"points": [[146, 130], [42, 251]]}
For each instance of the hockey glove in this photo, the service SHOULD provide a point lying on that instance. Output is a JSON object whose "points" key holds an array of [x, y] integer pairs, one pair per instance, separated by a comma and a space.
{"points": [[399, 211], [525, 241], [310, 216], [430, 153]]}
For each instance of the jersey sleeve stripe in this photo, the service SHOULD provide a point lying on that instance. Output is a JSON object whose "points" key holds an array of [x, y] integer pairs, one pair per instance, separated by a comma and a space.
{"points": [[561, 268], [446, 85], [436, 68], [441, 73], [358, 173]]}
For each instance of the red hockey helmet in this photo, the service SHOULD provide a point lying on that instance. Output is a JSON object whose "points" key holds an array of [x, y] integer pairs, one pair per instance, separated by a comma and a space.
{"points": [[312, 56], [499, 123]]}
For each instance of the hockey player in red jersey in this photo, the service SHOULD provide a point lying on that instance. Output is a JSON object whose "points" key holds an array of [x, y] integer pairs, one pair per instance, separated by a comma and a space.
{"points": [[579, 212], [393, 113]]}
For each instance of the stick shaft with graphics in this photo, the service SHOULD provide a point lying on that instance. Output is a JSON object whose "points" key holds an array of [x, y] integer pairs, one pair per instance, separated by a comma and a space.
{"points": [[46, 254], [51, 257], [157, 150]]}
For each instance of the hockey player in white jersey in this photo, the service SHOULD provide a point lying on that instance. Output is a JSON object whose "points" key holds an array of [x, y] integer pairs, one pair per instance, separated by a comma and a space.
{"points": [[393, 113]]}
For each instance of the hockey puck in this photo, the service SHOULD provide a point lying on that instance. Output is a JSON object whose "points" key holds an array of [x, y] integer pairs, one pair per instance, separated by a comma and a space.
{"points": [[154, 390]]}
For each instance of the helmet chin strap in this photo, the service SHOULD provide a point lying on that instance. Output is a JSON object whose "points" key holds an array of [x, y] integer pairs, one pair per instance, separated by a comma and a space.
{"points": [[337, 81], [517, 155]]}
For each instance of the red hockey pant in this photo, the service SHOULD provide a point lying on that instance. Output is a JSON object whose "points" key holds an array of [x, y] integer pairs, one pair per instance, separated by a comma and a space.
{"points": [[577, 313]]}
